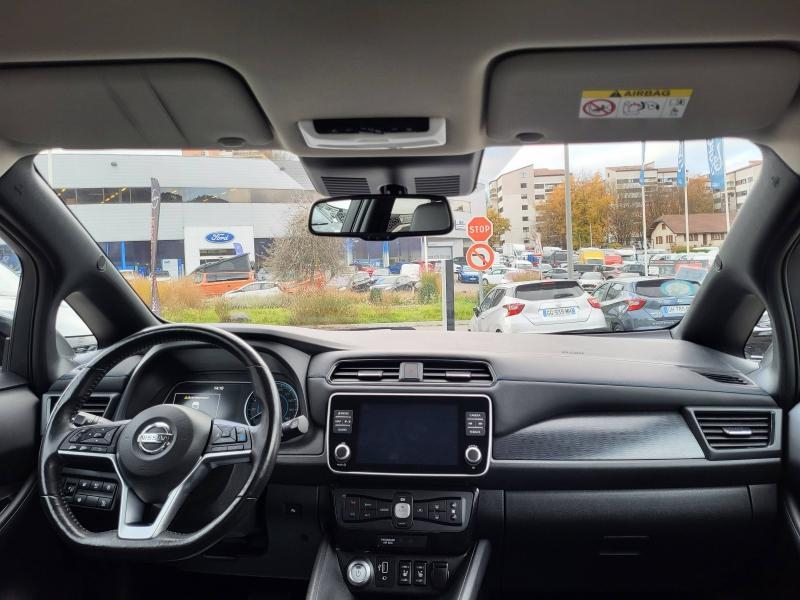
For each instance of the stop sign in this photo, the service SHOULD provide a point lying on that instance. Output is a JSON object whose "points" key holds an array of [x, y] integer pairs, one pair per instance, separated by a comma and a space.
{"points": [[479, 229]]}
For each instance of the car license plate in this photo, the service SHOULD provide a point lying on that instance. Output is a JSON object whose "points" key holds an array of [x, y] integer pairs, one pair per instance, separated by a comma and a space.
{"points": [[567, 311], [674, 311]]}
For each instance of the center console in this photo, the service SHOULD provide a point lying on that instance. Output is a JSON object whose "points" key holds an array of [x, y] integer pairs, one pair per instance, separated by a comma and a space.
{"points": [[412, 541]]}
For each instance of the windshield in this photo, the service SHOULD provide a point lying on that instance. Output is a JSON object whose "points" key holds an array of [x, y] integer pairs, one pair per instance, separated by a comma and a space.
{"points": [[226, 220]]}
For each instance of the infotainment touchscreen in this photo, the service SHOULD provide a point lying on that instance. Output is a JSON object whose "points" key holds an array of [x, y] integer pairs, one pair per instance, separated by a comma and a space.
{"points": [[394, 433], [412, 433]]}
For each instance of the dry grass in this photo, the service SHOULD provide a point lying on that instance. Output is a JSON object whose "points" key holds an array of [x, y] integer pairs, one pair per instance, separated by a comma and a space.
{"points": [[525, 276], [175, 294]]}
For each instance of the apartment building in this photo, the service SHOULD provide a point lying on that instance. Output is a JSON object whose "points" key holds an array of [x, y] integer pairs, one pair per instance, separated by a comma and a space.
{"points": [[738, 184], [624, 181], [516, 196]]}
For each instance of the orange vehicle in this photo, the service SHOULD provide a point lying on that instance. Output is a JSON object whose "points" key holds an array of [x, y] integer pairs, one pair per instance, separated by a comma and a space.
{"points": [[293, 287], [216, 278]]}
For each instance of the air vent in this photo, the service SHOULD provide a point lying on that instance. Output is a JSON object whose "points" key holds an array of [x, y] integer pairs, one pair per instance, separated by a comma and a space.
{"points": [[732, 378], [433, 371], [96, 405], [730, 430], [449, 185], [455, 371], [344, 186], [366, 370]]}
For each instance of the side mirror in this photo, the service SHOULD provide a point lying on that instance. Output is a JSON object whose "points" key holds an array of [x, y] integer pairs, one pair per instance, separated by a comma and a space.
{"points": [[476, 311], [381, 217]]}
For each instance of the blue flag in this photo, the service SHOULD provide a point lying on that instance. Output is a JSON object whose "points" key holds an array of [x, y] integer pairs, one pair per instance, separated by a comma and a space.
{"points": [[716, 163], [641, 171], [681, 179]]}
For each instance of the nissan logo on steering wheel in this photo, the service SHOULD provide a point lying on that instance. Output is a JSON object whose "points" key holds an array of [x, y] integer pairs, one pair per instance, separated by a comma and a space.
{"points": [[155, 437]]}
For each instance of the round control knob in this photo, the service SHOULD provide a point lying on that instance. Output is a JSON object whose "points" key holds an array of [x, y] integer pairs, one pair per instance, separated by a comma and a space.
{"points": [[342, 452], [473, 455], [359, 572]]}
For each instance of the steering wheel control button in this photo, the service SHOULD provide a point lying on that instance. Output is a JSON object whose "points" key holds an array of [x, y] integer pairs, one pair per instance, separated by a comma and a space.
{"points": [[359, 573], [228, 437], [342, 453], [473, 456], [89, 493], [401, 511], [475, 424], [90, 439]]}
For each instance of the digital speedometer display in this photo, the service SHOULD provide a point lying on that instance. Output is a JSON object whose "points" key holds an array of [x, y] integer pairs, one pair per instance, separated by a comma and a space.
{"points": [[290, 404], [231, 400]]}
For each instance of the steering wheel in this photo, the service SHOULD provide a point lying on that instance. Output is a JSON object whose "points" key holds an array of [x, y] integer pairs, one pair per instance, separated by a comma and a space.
{"points": [[161, 454]]}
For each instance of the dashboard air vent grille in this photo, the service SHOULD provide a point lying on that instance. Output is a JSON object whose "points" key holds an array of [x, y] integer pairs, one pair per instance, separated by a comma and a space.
{"points": [[343, 186], [455, 371], [433, 371], [366, 370], [96, 405], [732, 378], [735, 429]]}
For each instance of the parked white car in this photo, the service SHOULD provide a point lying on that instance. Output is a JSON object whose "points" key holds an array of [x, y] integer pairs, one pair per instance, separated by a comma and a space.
{"points": [[591, 280], [499, 274], [252, 293], [548, 306]]}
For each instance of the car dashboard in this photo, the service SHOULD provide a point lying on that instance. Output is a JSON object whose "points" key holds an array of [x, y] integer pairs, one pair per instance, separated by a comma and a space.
{"points": [[429, 454]]}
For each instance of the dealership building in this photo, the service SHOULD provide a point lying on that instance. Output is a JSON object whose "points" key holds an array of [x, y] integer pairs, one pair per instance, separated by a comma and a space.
{"points": [[110, 194]]}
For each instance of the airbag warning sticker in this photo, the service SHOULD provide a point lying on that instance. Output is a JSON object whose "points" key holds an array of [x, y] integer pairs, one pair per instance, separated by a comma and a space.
{"points": [[643, 103]]}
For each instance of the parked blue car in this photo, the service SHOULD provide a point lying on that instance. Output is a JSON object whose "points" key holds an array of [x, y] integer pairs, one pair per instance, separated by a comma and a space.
{"points": [[468, 275], [645, 303]]}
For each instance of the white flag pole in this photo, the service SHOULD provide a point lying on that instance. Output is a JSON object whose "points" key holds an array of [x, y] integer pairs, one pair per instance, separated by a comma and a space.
{"points": [[644, 214], [685, 194]]}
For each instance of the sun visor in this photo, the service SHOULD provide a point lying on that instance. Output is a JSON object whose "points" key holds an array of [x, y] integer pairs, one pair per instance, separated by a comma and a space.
{"points": [[639, 94], [188, 104]]}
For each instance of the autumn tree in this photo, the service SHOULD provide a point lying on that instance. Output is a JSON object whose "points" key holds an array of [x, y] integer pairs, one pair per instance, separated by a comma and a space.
{"points": [[499, 226], [591, 202], [701, 199], [301, 255]]}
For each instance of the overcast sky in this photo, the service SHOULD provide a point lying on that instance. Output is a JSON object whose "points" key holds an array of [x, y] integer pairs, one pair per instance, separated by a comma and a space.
{"points": [[588, 158]]}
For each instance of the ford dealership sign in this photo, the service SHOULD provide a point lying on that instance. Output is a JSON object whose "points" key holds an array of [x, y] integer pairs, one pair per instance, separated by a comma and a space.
{"points": [[219, 237]]}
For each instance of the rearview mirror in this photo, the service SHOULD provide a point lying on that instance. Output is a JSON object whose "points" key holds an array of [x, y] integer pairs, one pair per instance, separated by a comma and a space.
{"points": [[381, 216]]}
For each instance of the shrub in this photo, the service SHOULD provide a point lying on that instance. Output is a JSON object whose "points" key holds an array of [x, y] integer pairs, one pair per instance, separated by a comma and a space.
{"points": [[430, 290], [324, 307], [222, 308]]}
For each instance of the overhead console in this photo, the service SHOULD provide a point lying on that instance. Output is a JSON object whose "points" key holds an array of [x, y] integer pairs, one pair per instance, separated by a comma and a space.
{"points": [[409, 434]]}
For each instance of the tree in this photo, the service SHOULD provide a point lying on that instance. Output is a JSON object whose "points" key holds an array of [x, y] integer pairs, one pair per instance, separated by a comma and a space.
{"points": [[301, 255], [499, 225], [701, 200], [624, 223], [591, 203]]}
